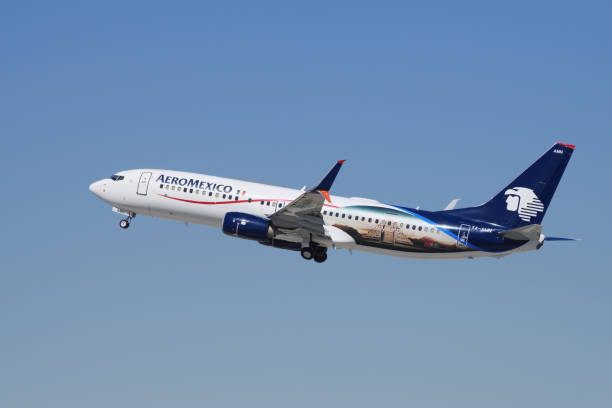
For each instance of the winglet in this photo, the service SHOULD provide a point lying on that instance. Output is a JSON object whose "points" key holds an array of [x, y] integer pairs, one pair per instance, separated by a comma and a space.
{"points": [[328, 180]]}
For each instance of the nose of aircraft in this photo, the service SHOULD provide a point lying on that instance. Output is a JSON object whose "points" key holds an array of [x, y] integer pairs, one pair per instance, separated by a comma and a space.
{"points": [[96, 188]]}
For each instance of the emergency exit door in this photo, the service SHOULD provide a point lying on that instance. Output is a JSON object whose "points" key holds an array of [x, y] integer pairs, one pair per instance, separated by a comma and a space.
{"points": [[464, 233], [143, 183]]}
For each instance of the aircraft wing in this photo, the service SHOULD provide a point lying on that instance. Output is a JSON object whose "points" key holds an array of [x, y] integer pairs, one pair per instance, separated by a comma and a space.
{"points": [[303, 215]]}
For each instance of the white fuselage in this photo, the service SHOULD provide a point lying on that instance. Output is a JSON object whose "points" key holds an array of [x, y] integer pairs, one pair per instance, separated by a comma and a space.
{"points": [[202, 199]]}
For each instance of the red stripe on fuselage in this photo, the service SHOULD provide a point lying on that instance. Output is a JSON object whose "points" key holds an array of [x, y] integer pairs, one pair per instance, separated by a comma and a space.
{"points": [[231, 202]]}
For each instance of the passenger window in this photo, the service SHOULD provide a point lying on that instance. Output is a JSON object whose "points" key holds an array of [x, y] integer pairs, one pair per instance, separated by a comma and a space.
{"points": [[161, 186], [191, 190], [167, 186], [268, 203], [210, 194], [217, 195], [420, 228], [197, 191], [414, 227], [362, 218], [369, 219], [376, 221], [172, 188], [184, 189], [249, 200], [388, 222], [280, 205], [349, 217], [426, 229], [343, 215], [224, 195], [337, 214]]}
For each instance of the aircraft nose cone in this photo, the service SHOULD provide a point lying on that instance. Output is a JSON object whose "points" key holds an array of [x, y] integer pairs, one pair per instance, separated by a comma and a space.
{"points": [[96, 188]]}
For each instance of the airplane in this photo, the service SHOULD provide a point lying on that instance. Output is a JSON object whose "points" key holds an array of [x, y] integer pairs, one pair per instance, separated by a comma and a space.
{"points": [[312, 220]]}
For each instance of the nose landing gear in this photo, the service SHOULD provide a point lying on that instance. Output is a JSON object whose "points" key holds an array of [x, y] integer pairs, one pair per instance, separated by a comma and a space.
{"points": [[125, 223]]}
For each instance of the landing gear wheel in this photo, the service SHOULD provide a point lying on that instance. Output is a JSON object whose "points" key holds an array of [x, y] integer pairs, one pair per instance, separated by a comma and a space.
{"points": [[320, 255], [124, 224], [307, 253]]}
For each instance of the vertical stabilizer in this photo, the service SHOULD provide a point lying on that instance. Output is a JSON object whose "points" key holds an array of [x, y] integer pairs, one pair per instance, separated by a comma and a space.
{"points": [[526, 199]]}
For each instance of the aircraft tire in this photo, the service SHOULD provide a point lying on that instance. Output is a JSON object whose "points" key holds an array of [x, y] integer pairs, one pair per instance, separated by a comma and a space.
{"points": [[124, 224], [307, 253], [320, 257]]}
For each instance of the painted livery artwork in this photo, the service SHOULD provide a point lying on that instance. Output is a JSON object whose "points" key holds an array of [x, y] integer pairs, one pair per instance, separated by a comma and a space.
{"points": [[396, 230]]}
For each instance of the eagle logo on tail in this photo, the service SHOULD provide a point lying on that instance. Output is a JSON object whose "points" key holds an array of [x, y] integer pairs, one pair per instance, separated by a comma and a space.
{"points": [[524, 201]]}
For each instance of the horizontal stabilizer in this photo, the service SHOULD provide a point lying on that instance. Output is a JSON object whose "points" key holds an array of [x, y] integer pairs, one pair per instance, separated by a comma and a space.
{"points": [[452, 204], [529, 232], [562, 239]]}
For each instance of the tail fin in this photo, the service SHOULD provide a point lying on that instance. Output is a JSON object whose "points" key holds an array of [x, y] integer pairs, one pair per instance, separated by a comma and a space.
{"points": [[526, 199]]}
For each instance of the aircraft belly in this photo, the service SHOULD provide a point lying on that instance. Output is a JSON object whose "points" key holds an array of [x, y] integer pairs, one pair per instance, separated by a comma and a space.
{"points": [[429, 255]]}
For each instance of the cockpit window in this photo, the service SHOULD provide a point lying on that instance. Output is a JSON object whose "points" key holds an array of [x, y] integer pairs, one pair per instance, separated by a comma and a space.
{"points": [[116, 177]]}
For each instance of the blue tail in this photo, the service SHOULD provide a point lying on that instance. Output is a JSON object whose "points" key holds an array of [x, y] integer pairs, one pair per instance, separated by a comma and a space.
{"points": [[526, 199]]}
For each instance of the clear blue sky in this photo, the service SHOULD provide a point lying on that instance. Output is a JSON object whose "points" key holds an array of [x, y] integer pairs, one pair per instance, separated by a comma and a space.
{"points": [[427, 102]]}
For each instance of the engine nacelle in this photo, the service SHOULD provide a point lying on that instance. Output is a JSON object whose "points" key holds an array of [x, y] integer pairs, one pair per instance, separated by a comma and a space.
{"points": [[247, 226]]}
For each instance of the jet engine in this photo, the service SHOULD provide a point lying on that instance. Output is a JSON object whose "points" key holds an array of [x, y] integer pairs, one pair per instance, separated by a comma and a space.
{"points": [[247, 226]]}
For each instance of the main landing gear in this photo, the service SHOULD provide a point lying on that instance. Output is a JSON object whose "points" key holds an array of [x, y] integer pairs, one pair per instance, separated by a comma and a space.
{"points": [[318, 253]]}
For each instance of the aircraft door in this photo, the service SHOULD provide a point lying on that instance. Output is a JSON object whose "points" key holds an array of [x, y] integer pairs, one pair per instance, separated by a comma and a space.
{"points": [[143, 183], [463, 234]]}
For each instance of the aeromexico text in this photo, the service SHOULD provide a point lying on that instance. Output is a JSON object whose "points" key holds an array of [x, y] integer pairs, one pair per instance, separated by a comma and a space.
{"points": [[195, 183]]}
